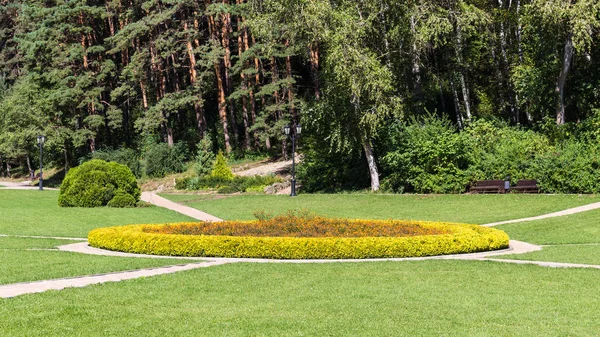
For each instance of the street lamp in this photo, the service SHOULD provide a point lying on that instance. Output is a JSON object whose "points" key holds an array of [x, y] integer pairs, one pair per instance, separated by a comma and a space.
{"points": [[40, 140], [293, 134]]}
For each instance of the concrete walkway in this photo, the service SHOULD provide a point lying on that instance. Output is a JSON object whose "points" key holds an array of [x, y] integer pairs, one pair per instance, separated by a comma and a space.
{"points": [[16, 289], [549, 215], [21, 185], [155, 199]]}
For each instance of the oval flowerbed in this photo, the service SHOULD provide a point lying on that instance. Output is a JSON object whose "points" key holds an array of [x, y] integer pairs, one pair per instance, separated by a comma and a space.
{"points": [[301, 238]]}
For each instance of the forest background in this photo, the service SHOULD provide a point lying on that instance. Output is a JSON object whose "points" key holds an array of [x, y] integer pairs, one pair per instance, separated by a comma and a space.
{"points": [[408, 96]]}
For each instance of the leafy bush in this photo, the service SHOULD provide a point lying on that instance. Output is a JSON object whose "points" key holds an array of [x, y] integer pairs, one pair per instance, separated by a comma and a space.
{"points": [[228, 190], [122, 200], [160, 159], [498, 151], [148, 239], [329, 171], [204, 158], [427, 156], [237, 184], [128, 157], [95, 183], [220, 168], [572, 168]]}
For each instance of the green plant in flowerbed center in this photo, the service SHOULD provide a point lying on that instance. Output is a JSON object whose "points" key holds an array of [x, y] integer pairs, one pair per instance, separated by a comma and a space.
{"points": [[294, 236]]}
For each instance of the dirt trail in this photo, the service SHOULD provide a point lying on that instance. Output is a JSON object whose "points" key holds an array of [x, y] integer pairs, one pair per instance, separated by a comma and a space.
{"points": [[279, 168]]}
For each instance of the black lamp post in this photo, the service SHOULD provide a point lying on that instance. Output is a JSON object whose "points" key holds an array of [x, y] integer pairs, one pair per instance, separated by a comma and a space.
{"points": [[40, 140], [289, 132]]}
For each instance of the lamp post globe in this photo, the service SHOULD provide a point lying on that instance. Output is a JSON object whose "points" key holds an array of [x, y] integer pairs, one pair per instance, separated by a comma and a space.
{"points": [[41, 140]]}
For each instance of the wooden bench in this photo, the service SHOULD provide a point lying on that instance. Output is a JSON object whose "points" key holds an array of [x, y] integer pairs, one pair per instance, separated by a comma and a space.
{"points": [[488, 186], [526, 186]]}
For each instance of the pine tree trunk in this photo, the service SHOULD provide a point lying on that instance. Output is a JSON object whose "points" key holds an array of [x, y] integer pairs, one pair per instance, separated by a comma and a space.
{"points": [[199, 112], [562, 78], [226, 30], [222, 104], [240, 45], [290, 92], [250, 88]]}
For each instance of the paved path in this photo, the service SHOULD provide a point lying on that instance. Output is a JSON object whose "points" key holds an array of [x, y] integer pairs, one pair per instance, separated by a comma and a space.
{"points": [[12, 290], [21, 185], [550, 215], [153, 198]]}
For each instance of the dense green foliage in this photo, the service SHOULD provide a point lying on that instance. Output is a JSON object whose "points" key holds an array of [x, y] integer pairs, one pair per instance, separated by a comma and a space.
{"points": [[237, 184], [221, 171], [204, 158], [96, 183], [101, 74], [428, 155], [128, 157], [160, 159]]}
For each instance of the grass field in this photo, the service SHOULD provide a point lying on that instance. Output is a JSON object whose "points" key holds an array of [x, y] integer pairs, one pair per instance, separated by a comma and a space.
{"points": [[426, 298], [32, 212], [416, 298], [573, 238], [28, 259], [478, 209]]}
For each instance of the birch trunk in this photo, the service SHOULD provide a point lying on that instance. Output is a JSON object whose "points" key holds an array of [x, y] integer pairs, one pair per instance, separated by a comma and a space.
{"points": [[373, 172], [562, 78], [463, 82]]}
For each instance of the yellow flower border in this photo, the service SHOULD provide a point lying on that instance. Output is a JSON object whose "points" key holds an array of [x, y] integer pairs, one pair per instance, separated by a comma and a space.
{"points": [[463, 239]]}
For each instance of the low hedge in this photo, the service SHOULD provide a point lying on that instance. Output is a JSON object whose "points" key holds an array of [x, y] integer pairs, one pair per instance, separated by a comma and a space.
{"points": [[140, 239]]}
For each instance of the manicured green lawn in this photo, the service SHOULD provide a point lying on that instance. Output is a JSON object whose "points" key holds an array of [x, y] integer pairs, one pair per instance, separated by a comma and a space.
{"points": [[460, 208], [576, 228], [9, 242], [416, 298], [584, 254], [574, 238], [28, 259], [425, 298], [27, 212]]}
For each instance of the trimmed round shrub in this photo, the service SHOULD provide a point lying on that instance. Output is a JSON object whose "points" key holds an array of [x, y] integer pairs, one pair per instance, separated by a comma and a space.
{"points": [[96, 182], [314, 238], [122, 200]]}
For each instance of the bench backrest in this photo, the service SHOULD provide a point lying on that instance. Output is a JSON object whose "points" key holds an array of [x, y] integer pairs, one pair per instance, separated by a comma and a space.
{"points": [[525, 182], [483, 183]]}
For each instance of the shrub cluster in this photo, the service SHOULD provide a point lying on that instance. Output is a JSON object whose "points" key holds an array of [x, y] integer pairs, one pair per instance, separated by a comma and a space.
{"points": [[148, 239], [220, 168], [237, 184], [128, 157], [429, 156], [160, 159], [99, 183]]}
